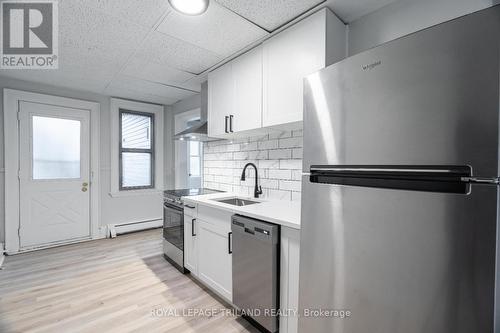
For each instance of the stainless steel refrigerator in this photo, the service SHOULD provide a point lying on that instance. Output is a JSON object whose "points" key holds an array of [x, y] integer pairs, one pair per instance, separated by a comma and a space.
{"points": [[400, 191]]}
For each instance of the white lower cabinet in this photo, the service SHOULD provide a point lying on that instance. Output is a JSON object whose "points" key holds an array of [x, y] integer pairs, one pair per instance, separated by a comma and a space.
{"points": [[207, 254], [214, 258], [289, 280], [191, 244]]}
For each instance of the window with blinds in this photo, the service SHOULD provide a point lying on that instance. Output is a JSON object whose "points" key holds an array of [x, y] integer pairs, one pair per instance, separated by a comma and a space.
{"points": [[136, 150]]}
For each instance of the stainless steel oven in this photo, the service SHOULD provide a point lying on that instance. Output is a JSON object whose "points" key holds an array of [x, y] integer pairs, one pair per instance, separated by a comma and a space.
{"points": [[173, 234]]}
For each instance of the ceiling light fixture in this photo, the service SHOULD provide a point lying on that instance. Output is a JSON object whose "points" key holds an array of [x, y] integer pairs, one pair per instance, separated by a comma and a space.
{"points": [[190, 7]]}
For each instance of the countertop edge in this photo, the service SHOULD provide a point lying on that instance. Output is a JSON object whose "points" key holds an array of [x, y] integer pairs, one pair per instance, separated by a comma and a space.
{"points": [[207, 201]]}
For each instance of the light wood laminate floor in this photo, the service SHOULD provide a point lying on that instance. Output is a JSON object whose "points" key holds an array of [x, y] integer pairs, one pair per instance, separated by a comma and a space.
{"points": [[109, 285]]}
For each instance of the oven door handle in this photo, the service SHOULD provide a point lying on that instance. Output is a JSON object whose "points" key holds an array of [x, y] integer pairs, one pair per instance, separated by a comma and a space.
{"points": [[193, 234]]}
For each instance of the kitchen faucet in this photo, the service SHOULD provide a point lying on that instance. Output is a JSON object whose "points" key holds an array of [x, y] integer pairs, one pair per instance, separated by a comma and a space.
{"points": [[258, 189]]}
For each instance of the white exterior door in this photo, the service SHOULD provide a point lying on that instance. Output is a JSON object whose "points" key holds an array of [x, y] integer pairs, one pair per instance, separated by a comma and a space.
{"points": [[54, 174]]}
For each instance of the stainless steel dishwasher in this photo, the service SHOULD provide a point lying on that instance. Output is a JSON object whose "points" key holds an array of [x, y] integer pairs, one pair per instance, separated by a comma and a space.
{"points": [[255, 246]]}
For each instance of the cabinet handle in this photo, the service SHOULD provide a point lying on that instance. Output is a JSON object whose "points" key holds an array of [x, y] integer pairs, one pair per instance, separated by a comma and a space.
{"points": [[231, 123], [225, 124], [192, 227], [229, 238]]}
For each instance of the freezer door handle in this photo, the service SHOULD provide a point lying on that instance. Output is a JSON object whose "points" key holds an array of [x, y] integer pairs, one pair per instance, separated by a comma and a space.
{"points": [[391, 169], [429, 178]]}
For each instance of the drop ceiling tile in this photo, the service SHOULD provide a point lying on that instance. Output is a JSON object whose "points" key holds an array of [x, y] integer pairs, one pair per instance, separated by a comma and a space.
{"points": [[151, 88], [270, 14], [163, 49], [85, 30], [95, 84], [147, 70], [218, 30], [143, 12], [195, 83], [118, 91]]}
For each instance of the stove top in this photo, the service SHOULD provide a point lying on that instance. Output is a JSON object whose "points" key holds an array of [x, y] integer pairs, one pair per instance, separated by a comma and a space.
{"points": [[177, 194]]}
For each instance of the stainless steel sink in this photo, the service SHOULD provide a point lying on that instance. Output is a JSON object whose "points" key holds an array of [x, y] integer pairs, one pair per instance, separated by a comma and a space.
{"points": [[237, 201]]}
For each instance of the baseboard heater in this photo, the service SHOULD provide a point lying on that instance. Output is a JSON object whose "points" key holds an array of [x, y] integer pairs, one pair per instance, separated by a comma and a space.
{"points": [[125, 228]]}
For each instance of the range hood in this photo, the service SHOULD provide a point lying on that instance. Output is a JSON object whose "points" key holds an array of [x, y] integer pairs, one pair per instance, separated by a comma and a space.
{"points": [[198, 130]]}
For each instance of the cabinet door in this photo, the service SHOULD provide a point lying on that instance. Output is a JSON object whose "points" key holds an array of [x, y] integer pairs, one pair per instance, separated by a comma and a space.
{"points": [[215, 265], [191, 244], [220, 99], [287, 59], [247, 98]]}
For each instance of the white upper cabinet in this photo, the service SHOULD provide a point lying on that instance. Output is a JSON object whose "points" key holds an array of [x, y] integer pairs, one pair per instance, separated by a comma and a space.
{"points": [[263, 87], [220, 100], [247, 94], [290, 56]]}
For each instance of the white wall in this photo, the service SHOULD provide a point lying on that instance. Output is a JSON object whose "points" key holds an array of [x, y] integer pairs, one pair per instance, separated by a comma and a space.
{"points": [[180, 163], [407, 16], [169, 153], [188, 104], [112, 210]]}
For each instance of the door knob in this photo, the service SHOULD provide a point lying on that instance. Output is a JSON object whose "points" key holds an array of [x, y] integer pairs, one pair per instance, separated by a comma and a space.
{"points": [[84, 189], [85, 184]]}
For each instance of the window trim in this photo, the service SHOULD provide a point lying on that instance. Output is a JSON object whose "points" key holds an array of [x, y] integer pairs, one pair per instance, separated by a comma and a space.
{"points": [[122, 150], [114, 168]]}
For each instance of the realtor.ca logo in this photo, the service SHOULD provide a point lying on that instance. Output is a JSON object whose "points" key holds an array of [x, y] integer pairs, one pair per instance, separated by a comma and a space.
{"points": [[29, 33]]}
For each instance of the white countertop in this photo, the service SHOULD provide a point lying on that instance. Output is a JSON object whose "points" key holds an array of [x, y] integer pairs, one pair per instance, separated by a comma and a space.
{"points": [[286, 213]]}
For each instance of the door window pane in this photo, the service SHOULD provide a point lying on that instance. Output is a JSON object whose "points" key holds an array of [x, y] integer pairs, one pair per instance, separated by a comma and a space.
{"points": [[194, 167], [136, 170], [136, 131], [56, 148], [194, 148], [194, 159]]}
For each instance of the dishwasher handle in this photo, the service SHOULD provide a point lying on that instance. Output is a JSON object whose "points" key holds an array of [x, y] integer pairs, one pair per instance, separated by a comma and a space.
{"points": [[229, 245], [256, 229]]}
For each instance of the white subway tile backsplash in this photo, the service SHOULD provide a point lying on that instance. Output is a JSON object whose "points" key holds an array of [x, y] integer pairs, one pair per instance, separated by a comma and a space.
{"points": [[269, 144], [280, 154], [280, 195], [269, 164], [296, 175], [280, 174], [290, 185], [290, 142], [249, 146], [291, 164], [297, 153], [280, 135], [263, 137], [278, 157]]}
